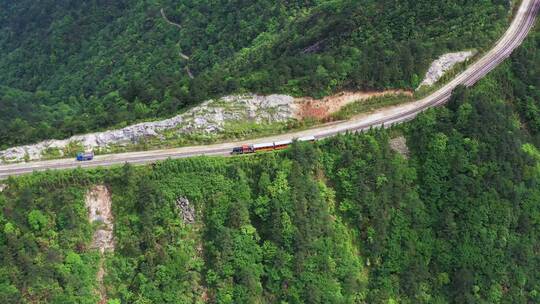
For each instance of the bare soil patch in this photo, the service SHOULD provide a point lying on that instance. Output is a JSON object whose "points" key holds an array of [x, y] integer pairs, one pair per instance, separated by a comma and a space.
{"points": [[322, 108]]}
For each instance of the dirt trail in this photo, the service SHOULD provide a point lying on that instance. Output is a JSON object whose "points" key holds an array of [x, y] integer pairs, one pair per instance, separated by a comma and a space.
{"points": [[169, 21], [321, 108], [188, 71], [98, 203], [184, 56]]}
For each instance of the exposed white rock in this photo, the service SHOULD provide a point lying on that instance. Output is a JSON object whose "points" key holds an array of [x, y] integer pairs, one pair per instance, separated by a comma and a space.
{"points": [[99, 205], [3, 187], [210, 117], [399, 145], [186, 210], [443, 64]]}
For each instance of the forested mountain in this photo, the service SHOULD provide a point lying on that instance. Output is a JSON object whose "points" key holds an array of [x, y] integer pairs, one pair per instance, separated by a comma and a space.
{"points": [[344, 220], [74, 66]]}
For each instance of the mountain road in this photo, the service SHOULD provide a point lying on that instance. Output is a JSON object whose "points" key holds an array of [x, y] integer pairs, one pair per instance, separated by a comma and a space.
{"points": [[521, 25]]}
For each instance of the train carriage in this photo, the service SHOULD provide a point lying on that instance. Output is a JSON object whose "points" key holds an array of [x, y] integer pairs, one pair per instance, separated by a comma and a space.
{"points": [[262, 147], [279, 145]]}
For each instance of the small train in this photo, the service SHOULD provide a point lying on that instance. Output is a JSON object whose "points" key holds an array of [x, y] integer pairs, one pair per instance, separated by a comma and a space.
{"points": [[278, 145]]}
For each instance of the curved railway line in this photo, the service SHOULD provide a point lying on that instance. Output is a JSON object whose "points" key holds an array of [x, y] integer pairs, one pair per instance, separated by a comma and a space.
{"points": [[514, 36]]}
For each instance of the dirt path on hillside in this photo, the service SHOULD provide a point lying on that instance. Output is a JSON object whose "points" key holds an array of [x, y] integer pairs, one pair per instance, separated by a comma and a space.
{"points": [[182, 55], [98, 203], [169, 21], [307, 107]]}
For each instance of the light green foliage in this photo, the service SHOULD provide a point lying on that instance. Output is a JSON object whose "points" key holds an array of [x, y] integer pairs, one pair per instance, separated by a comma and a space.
{"points": [[370, 104], [45, 231], [70, 67], [9, 228], [344, 220], [474, 168], [37, 220]]}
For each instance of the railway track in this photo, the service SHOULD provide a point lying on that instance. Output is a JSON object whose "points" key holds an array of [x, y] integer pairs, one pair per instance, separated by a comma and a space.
{"points": [[514, 36]]}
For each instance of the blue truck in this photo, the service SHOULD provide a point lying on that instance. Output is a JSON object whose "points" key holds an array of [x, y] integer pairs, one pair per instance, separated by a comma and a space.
{"points": [[85, 156]]}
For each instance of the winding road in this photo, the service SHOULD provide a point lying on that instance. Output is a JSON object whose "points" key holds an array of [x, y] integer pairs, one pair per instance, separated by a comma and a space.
{"points": [[514, 36]]}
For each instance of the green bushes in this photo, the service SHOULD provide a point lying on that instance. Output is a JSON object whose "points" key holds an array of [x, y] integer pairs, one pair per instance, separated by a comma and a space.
{"points": [[44, 235], [72, 68], [345, 220]]}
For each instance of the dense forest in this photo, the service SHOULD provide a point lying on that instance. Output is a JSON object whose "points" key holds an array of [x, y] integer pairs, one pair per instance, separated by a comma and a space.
{"points": [[70, 67], [345, 220]]}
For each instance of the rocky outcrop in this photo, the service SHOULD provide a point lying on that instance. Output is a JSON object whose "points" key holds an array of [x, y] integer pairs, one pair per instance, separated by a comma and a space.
{"points": [[210, 117], [91, 141], [98, 203], [399, 145], [99, 206], [443, 64], [186, 210]]}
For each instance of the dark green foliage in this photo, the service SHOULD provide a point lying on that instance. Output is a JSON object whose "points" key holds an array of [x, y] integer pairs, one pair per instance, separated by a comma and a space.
{"points": [[266, 235], [345, 220], [69, 67], [152, 263], [43, 239], [523, 84], [474, 180]]}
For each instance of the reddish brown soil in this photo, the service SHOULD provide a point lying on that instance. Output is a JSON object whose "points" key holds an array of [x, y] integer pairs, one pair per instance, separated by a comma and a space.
{"points": [[321, 108]]}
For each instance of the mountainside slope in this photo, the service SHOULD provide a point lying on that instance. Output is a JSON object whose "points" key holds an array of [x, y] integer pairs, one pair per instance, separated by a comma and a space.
{"points": [[344, 220], [72, 67]]}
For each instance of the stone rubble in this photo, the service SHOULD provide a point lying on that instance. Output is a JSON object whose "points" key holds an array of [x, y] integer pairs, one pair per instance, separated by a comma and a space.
{"points": [[399, 145], [187, 212], [99, 206], [443, 64], [98, 203], [210, 117]]}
